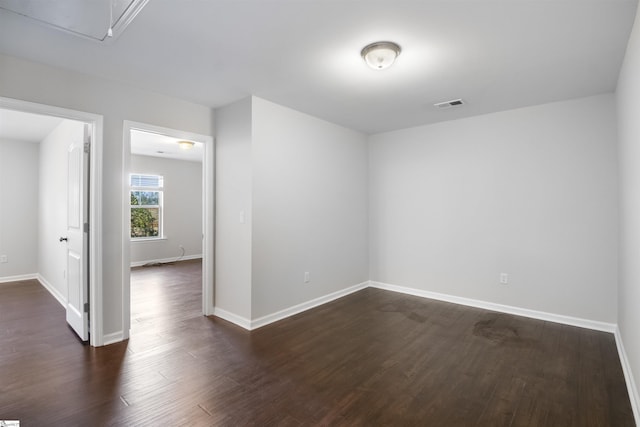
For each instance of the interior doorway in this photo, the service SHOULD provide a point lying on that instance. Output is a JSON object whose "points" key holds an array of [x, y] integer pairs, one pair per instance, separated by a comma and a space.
{"points": [[167, 208], [70, 283]]}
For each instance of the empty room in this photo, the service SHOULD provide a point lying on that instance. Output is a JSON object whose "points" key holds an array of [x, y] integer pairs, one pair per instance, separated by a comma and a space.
{"points": [[395, 213]]}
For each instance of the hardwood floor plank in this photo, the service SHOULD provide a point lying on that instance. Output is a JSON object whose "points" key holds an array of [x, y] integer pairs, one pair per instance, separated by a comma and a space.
{"points": [[371, 358]]}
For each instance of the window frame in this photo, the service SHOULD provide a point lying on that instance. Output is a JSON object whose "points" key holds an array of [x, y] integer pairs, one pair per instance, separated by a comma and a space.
{"points": [[160, 206]]}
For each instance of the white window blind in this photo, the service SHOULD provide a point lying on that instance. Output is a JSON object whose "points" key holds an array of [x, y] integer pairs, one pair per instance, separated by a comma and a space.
{"points": [[146, 181]]}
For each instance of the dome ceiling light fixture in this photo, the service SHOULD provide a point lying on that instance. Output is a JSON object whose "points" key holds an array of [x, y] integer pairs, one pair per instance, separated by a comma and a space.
{"points": [[380, 55], [186, 145]]}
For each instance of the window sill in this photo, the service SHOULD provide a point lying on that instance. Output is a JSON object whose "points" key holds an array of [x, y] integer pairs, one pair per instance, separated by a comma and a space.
{"points": [[147, 239]]}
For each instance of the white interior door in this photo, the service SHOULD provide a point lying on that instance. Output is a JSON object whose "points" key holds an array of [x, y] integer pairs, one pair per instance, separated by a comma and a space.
{"points": [[77, 237]]}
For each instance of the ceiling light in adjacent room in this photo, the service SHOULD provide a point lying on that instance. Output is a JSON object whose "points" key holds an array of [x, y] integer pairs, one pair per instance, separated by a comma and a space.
{"points": [[380, 55], [186, 145]]}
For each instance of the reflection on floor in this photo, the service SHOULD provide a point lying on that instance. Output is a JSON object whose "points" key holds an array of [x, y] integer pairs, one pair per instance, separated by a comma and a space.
{"points": [[162, 296]]}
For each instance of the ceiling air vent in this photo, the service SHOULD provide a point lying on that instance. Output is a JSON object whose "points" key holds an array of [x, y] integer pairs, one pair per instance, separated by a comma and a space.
{"points": [[449, 104]]}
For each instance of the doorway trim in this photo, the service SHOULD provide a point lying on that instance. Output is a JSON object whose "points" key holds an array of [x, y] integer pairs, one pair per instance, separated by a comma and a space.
{"points": [[96, 337], [207, 215]]}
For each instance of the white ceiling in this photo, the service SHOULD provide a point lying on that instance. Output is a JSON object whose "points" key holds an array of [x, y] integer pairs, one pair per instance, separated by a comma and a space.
{"points": [[155, 145], [304, 54], [26, 127]]}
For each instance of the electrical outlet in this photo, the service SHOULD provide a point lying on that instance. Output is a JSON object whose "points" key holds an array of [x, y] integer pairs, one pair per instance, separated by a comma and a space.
{"points": [[306, 277], [504, 278], [3, 259]]}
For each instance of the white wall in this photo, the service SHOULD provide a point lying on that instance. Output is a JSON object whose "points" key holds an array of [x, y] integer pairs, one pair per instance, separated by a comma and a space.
{"points": [[301, 184], [182, 210], [18, 208], [25, 80], [628, 103], [530, 192], [52, 214], [309, 208], [527, 191], [233, 196]]}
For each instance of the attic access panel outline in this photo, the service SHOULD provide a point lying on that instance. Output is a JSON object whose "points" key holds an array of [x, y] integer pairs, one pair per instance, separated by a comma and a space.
{"points": [[87, 19]]}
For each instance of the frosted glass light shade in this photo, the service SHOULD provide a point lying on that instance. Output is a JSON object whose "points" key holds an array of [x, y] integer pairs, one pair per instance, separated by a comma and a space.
{"points": [[380, 55]]}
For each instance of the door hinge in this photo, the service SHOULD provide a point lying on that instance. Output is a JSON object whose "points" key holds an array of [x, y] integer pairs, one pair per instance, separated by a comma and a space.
{"points": [[86, 307], [86, 227], [87, 147]]}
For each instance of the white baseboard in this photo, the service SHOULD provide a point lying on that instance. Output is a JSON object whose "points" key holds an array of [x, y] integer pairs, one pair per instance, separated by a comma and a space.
{"points": [[634, 397], [287, 312], [165, 260], [233, 318], [112, 338], [18, 278], [52, 290], [534, 314]]}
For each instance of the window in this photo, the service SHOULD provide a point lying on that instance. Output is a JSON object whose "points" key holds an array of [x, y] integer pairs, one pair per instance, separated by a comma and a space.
{"points": [[146, 206]]}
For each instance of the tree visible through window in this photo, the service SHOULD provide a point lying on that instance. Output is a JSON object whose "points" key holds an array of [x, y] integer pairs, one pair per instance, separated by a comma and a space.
{"points": [[146, 206]]}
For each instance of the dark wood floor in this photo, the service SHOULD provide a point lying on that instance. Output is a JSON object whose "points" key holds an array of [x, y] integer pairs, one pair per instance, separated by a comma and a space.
{"points": [[371, 358]]}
